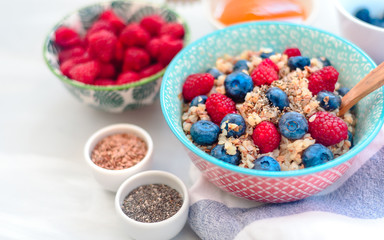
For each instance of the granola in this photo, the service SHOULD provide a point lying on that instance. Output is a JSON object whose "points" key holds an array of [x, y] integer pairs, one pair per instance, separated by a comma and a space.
{"points": [[256, 108]]}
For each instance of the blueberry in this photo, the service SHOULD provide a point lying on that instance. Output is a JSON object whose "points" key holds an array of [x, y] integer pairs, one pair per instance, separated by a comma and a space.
{"points": [[237, 85], [316, 154], [377, 22], [205, 132], [214, 72], [235, 119], [328, 100], [342, 91], [198, 100], [219, 152], [266, 163], [266, 53], [325, 61], [278, 97], [350, 138], [293, 125], [241, 65], [298, 62], [364, 15]]}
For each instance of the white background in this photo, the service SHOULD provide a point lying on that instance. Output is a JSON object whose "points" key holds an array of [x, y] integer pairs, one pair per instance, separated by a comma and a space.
{"points": [[47, 192]]}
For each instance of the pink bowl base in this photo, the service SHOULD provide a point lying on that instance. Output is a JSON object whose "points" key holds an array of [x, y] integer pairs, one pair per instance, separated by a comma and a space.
{"points": [[268, 189]]}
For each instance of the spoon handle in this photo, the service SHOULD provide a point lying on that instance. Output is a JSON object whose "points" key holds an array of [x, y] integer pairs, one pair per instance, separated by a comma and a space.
{"points": [[368, 84]]}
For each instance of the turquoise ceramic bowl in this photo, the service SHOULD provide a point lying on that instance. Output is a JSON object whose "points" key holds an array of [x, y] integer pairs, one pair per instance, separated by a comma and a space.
{"points": [[110, 98], [352, 63]]}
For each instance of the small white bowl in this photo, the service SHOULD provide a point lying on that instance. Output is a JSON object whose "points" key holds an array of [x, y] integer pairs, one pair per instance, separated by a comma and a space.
{"points": [[311, 7], [112, 179], [367, 36], [165, 229]]}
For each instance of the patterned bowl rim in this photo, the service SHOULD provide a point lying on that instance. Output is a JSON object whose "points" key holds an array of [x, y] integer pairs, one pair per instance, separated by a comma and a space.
{"points": [[118, 87], [306, 171]]}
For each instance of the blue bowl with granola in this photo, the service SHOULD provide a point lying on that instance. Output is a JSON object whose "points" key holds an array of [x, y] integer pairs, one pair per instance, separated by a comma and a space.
{"points": [[256, 106]]}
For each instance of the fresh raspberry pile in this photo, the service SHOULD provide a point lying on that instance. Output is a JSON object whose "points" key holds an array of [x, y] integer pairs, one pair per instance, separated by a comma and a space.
{"points": [[327, 129], [266, 137], [114, 53]]}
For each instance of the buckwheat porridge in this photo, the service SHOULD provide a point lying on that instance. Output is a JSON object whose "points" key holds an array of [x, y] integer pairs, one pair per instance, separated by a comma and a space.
{"points": [[262, 87]]}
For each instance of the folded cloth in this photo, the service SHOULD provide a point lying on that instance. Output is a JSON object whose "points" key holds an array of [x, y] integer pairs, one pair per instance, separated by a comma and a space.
{"points": [[352, 208]]}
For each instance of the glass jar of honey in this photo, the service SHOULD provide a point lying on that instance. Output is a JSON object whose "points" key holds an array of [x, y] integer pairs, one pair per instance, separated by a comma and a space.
{"points": [[229, 12]]}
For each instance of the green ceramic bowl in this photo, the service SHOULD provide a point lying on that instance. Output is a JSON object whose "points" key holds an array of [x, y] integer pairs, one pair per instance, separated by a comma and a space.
{"points": [[110, 98]]}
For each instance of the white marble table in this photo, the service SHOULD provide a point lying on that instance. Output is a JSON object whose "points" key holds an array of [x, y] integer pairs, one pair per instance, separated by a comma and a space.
{"points": [[47, 192]]}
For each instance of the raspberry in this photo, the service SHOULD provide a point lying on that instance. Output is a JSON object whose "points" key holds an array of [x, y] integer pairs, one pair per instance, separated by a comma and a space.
{"points": [[197, 84], [98, 26], [327, 129], [167, 38], [104, 82], [70, 63], [168, 50], [70, 53], [66, 66], [173, 29], [292, 52], [119, 51], [266, 137], [150, 70], [66, 37], [127, 77], [134, 35], [102, 45], [113, 19], [152, 24], [153, 47], [107, 70], [323, 79], [219, 105], [264, 74], [85, 72], [135, 59], [268, 62]]}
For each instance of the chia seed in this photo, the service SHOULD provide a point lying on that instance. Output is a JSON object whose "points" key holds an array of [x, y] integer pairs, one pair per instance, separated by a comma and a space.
{"points": [[152, 203]]}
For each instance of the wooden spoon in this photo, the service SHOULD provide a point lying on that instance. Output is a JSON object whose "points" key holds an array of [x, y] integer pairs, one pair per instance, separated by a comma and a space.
{"points": [[368, 84]]}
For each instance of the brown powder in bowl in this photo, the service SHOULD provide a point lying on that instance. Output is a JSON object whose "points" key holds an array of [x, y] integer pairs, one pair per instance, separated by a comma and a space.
{"points": [[119, 151]]}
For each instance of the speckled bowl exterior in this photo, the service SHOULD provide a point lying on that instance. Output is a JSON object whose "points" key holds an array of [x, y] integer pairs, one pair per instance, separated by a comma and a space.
{"points": [[110, 98], [352, 63]]}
